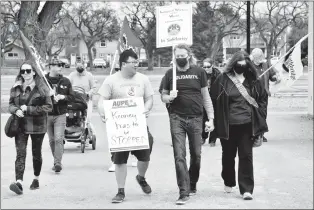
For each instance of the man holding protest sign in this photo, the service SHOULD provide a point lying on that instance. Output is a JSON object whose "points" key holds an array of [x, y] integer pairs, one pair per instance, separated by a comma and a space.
{"points": [[186, 117], [128, 83]]}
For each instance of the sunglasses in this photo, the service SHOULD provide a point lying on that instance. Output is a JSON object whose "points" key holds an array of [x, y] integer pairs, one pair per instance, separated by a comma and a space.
{"points": [[206, 67], [23, 71], [55, 64]]}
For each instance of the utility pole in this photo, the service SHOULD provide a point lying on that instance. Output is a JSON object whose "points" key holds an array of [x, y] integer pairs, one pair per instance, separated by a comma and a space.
{"points": [[310, 59], [248, 27]]}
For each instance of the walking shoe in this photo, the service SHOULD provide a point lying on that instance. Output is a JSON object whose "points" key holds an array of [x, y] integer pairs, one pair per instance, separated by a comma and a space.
{"points": [[53, 168], [35, 184], [192, 189], [228, 189], [144, 185], [112, 168], [118, 198], [182, 199], [17, 188], [264, 139], [58, 168], [212, 144], [247, 196]]}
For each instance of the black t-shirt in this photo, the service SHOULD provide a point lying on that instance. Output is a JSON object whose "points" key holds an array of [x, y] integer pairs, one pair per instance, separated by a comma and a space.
{"points": [[240, 109], [189, 101]]}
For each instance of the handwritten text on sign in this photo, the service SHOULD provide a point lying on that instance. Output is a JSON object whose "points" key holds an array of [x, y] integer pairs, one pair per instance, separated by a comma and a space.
{"points": [[126, 124]]}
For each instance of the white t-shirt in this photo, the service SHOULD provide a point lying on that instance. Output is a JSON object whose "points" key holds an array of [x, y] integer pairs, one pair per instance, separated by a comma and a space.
{"points": [[115, 87]]}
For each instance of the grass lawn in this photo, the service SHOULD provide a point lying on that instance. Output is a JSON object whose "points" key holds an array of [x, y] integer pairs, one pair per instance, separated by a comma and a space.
{"points": [[97, 71]]}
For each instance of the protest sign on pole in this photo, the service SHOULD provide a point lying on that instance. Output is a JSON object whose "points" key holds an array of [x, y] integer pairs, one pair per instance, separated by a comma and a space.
{"points": [[126, 124], [174, 26]]}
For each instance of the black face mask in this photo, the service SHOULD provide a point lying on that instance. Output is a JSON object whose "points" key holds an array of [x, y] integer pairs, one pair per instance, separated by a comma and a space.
{"points": [[240, 69], [79, 69], [181, 62]]}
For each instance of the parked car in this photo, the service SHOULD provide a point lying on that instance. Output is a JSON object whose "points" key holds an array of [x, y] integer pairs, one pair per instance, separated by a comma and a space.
{"points": [[65, 62], [143, 63], [99, 62]]}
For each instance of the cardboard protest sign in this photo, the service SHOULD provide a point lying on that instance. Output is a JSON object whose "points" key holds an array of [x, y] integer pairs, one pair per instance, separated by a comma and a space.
{"points": [[174, 25], [126, 124]]}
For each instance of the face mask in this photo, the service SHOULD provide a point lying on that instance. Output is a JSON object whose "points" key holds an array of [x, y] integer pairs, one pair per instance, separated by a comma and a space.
{"points": [[240, 69], [181, 62], [79, 69]]}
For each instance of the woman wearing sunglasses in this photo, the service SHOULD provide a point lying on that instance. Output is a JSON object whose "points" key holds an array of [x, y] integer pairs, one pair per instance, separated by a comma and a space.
{"points": [[30, 101]]}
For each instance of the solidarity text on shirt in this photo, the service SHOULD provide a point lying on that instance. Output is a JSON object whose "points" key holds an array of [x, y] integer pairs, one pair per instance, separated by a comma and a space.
{"points": [[187, 77]]}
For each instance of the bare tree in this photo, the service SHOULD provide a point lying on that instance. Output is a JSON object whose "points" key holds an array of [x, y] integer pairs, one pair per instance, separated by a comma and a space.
{"points": [[271, 24], [212, 21], [8, 23], [94, 24], [59, 38], [36, 25], [144, 25]]}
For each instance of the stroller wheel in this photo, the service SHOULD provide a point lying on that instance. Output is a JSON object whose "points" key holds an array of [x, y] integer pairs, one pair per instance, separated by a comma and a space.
{"points": [[93, 142], [82, 147]]}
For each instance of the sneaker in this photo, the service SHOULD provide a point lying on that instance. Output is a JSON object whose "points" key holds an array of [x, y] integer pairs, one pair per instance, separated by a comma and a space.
{"points": [[247, 196], [35, 184], [118, 198], [192, 190], [17, 188], [228, 189], [182, 199], [53, 168], [212, 144], [58, 168], [112, 168], [144, 185], [264, 139], [134, 164]]}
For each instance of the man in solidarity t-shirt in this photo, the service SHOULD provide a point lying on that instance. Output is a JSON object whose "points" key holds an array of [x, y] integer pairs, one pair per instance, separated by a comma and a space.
{"points": [[189, 102]]}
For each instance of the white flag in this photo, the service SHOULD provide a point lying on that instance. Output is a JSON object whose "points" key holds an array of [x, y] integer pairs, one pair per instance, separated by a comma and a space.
{"points": [[293, 68]]}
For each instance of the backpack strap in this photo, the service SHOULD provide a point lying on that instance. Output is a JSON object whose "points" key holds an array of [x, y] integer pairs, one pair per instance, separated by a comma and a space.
{"points": [[242, 90], [30, 95]]}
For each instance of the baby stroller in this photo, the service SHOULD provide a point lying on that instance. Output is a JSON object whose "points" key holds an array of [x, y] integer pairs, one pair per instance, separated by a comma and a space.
{"points": [[78, 128]]}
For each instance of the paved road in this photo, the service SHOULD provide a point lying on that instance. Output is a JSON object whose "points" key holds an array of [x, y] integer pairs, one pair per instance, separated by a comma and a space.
{"points": [[283, 172]]}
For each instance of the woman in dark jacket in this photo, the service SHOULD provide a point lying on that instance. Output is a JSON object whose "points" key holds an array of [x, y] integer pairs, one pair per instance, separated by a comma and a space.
{"points": [[30, 101], [240, 102]]}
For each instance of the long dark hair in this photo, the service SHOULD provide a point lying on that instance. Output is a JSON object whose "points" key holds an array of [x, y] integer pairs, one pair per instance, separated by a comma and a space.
{"points": [[42, 87], [19, 76], [251, 74]]}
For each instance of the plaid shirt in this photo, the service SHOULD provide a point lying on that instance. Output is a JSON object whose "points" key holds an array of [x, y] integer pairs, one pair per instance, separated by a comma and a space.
{"points": [[35, 117]]}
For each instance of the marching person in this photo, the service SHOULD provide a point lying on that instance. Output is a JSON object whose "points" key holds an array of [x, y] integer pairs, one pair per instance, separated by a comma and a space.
{"points": [[128, 83], [30, 101], [186, 117], [212, 74], [240, 103], [84, 79], [259, 61], [61, 94]]}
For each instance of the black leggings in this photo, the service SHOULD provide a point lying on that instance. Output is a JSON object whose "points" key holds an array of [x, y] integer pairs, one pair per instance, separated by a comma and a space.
{"points": [[21, 143]]}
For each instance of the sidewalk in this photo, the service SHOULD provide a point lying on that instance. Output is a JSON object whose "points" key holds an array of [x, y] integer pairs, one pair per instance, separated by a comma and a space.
{"points": [[283, 170]]}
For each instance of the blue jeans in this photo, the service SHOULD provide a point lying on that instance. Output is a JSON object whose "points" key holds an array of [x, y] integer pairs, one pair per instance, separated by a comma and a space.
{"points": [[179, 127], [56, 127]]}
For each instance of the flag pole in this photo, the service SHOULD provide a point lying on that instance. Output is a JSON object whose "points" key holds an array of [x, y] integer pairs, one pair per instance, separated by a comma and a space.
{"points": [[114, 61], [299, 42]]}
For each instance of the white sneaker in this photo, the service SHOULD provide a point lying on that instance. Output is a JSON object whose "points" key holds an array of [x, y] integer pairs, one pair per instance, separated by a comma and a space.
{"points": [[112, 168], [247, 196], [228, 189], [134, 164]]}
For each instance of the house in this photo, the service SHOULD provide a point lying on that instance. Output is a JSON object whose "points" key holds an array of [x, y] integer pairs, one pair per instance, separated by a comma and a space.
{"points": [[234, 43], [15, 57]]}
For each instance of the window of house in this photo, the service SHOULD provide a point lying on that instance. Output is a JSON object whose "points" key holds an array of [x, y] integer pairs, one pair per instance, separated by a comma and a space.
{"points": [[103, 44], [13, 55], [101, 55], [73, 44]]}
